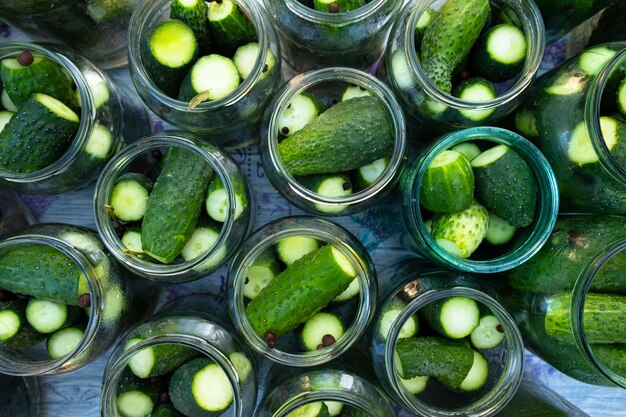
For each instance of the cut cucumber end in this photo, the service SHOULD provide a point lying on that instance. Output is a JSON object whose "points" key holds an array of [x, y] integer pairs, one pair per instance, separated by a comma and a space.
{"points": [[409, 328], [292, 248], [468, 149], [444, 158], [134, 404], [10, 324], [415, 385], [6, 101], [100, 142], [142, 362], [212, 389], [449, 247], [593, 60], [129, 200], [57, 107], [459, 316], [46, 316], [499, 231], [242, 364], [201, 241], [352, 291], [489, 156], [301, 110], [217, 206], [507, 44], [580, 149], [173, 44], [64, 342], [488, 334], [343, 262], [478, 374], [318, 326], [5, 117], [334, 407], [258, 278]]}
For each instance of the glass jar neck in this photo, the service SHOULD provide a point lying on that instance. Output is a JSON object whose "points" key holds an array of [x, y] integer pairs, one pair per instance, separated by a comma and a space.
{"points": [[19, 365]]}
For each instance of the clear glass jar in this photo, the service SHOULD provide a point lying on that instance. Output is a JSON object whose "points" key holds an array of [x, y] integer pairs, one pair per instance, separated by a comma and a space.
{"points": [[197, 321], [565, 104], [333, 384], [232, 121], [14, 213], [562, 16], [140, 156], [553, 293], [117, 299], [314, 39], [95, 28], [120, 114], [20, 396], [327, 84], [423, 101], [528, 240], [415, 283], [358, 311]]}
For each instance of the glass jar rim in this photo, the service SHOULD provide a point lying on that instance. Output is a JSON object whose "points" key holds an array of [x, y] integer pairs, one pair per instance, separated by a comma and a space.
{"points": [[294, 403], [535, 34], [40, 367], [143, 18], [509, 380], [87, 113], [548, 202], [338, 19], [255, 245], [116, 166], [301, 83]]}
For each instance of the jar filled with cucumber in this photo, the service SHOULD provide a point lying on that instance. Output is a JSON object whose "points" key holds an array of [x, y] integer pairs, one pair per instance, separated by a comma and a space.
{"points": [[301, 291], [172, 208], [183, 362], [333, 141], [321, 33], [441, 345], [570, 299], [207, 67], [576, 114], [14, 213], [480, 200], [61, 118], [63, 300], [465, 62]]}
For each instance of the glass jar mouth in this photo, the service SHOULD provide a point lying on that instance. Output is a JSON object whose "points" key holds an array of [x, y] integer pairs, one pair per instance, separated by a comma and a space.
{"points": [[303, 82], [306, 398], [87, 113], [548, 201], [535, 38], [114, 371], [116, 166], [508, 382], [257, 244], [592, 116], [17, 367], [146, 13], [337, 19]]}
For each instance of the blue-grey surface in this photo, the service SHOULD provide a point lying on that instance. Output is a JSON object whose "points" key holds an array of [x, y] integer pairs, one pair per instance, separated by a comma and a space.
{"points": [[77, 394]]}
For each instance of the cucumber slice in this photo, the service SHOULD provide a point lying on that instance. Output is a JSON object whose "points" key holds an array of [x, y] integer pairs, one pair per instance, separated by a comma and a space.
{"points": [[15, 331], [424, 21], [5, 116], [134, 404], [194, 13], [328, 185], [568, 84], [499, 53], [462, 232], [246, 57], [264, 268], [212, 77], [302, 109], [6, 102], [489, 333], [468, 149], [580, 149], [129, 197], [10, 324], [216, 202], [620, 96], [64, 341], [454, 317], [415, 385], [48, 317], [159, 359], [334, 407], [100, 143], [593, 60], [321, 326], [242, 364], [85, 242], [353, 91], [499, 231], [400, 71], [292, 248], [526, 123], [390, 315], [317, 409], [99, 91], [230, 27], [448, 183], [132, 240], [201, 241], [477, 90], [352, 291], [368, 174], [478, 374]]}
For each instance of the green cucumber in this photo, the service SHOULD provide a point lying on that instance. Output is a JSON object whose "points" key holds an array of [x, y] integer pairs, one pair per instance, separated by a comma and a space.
{"points": [[594, 59], [132, 240], [415, 385], [476, 89], [294, 295], [499, 231], [401, 74], [468, 149], [15, 331], [320, 327], [316, 409], [448, 183], [217, 204], [38, 134], [99, 147], [352, 291], [450, 37], [42, 272], [302, 109], [506, 185], [580, 149], [194, 13], [292, 248], [620, 97], [41, 76], [526, 123], [603, 317], [449, 361], [230, 27], [174, 204], [5, 116], [613, 356], [454, 317], [165, 410], [170, 51], [424, 21], [328, 185], [247, 55], [7, 103], [500, 53], [478, 374], [489, 333], [200, 388], [212, 77], [264, 268], [47, 316], [242, 364], [365, 176], [337, 6], [64, 341], [159, 359], [461, 233], [202, 240], [353, 91], [389, 316], [129, 197], [348, 135], [136, 397]]}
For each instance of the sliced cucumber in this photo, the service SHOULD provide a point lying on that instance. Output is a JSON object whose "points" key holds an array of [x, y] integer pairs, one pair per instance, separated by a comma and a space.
{"points": [[15, 332], [489, 333], [389, 317], [334, 407], [5, 116], [328, 185], [230, 27], [462, 232], [217, 204], [202, 240], [448, 183], [400, 71], [526, 123], [64, 341], [367, 175], [352, 291], [499, 231], [302, 109], [594, 59], [500, 52], [136, 397], [292, 248], [6, 102], [425, 20], [468, 149], [159, 359], [477, 90], [320, 330], [193, 13], [454, 317], [99, 91], [242, 364], [478, 374], [212, 77], [415, 385], [48, 317], [100, 143], [353, 91], [264, 268], [132, 240], [620, 96], [247, 55], [580, 149], [129, 197], [317, 409]]}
